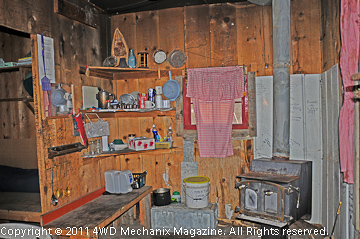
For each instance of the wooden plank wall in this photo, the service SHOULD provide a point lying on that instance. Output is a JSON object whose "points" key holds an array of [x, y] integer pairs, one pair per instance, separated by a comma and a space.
{"points": [[330, 34], [215, 35], [211, 35], [16, 119], [75, 44]]}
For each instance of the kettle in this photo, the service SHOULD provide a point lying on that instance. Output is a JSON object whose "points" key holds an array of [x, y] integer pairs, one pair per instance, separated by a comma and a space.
{"points": [[102, 96]]}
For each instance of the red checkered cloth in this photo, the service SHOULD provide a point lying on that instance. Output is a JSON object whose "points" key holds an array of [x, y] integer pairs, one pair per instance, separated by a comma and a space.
{"points": [[214, 91]]}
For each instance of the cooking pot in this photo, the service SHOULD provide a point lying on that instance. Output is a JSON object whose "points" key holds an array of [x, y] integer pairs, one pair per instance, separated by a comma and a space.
{"points": [[162, 196]]}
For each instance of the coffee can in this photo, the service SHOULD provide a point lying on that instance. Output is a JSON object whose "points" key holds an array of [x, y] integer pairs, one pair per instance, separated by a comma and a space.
{"points": [[151, 93]]}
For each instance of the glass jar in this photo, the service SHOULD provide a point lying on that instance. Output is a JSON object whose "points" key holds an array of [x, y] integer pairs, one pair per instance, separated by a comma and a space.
{"points": [[98, 146], [92, 147]]}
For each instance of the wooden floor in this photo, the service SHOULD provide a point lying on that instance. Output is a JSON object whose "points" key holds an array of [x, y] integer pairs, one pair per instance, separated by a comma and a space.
{"points": [[16, 206], [227, 232]]}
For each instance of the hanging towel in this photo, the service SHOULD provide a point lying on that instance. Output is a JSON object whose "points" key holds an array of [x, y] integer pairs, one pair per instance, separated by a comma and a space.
{"points": [[214, 91], [349, 24]]}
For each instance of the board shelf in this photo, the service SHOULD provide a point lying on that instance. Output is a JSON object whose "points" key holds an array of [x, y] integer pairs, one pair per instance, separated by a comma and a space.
{"points": [[127, 114], [117, 73], [127, 152], [14, 68]]}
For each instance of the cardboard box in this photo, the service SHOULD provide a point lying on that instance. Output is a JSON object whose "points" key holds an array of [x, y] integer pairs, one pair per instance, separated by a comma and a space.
{"points": [[142, 144], [163, 145]]}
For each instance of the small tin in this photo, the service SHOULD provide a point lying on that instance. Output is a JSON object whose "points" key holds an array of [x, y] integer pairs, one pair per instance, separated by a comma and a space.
{"points": [[151, 94]]}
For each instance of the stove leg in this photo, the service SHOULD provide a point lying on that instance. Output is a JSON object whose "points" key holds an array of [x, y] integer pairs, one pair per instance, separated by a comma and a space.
{"points": [[273, 232]]}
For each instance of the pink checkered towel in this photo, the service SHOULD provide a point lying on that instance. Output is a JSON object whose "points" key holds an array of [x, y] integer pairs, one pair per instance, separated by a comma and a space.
{"points": [[214, 91]]}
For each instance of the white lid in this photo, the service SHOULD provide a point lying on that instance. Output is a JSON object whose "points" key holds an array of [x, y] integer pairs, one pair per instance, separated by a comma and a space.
{"points": [[170, 127], [153, 125]]}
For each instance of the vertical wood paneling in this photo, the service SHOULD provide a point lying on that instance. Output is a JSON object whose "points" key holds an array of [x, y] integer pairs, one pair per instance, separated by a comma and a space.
{"points": [[128, 126], [148, 164], [160, 172], [16, 120], [171, 32], [147, 33], [254, 50], [211, 35], [127, 26], [330, 33], [223, 35], [305, 37], [197, 36]]}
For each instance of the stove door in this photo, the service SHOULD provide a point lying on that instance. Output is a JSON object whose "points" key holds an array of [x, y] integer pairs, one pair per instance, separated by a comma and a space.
{"points": [[263, 199], [249, 196]]}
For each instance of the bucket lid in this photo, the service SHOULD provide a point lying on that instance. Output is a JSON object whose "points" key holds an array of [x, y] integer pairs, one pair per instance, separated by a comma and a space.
{"points": [[197, 179]]}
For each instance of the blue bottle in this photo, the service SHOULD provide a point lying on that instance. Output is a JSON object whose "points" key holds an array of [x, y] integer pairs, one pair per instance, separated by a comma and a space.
{"points": [[156, 134], [132, 59]]}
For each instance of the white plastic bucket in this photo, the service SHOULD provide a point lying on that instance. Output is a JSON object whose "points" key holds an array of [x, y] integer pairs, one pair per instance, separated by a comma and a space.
{"points": [[197, 191]]}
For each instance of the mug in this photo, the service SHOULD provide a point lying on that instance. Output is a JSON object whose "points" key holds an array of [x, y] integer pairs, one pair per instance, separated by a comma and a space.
{"points": [[158, 90], [159, 101], [166, 103], [149, 104]]}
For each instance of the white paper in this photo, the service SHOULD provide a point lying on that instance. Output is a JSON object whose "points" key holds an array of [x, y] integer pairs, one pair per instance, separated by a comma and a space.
{"points": [[49, 58]]}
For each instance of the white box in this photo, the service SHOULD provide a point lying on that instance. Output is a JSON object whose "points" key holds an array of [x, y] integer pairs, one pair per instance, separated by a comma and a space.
{"points": [[142, 144]]}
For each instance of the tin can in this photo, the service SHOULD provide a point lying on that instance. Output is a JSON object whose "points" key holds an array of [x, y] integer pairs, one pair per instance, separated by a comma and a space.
{"points": [[151, 94], [142, 99]]}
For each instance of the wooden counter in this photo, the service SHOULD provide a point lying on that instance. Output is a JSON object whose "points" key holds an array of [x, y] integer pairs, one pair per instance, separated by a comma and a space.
{"points": [[88, 219]]}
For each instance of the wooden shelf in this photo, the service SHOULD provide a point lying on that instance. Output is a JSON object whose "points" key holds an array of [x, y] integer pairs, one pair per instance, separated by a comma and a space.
{"points": [[128, 151], [117, 73], [14, 68], [127, 114]]}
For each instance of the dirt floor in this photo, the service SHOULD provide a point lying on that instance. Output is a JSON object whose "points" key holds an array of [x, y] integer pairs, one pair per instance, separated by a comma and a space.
{"points": [[297, 230]]}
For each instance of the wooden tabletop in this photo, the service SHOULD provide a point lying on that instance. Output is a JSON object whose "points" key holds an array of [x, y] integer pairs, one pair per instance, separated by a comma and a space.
{"points": [[100, 211]]}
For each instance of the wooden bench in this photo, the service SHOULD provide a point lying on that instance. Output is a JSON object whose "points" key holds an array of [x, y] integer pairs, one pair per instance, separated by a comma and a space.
{"points": [[89, 219]]}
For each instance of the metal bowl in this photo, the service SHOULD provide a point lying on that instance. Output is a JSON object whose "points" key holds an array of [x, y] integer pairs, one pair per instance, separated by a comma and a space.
{"points": [[127, 99]]}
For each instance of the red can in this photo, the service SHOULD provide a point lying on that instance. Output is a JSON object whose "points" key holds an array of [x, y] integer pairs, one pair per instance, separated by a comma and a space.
{"points": [[142, 98]]}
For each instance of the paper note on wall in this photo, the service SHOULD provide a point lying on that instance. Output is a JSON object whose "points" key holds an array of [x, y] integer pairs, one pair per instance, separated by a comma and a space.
{"points": [[48, 58]]}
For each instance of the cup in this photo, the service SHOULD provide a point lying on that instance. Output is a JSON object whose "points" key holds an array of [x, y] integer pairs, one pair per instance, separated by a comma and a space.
{"points": [[149, 104], [159, 101], [158, 90], [166, 103]]}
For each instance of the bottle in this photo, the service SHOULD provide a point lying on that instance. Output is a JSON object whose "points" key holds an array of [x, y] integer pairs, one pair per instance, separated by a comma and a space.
{"points": [[176, 198], [132, 59], [156, 134], [169, 134]]}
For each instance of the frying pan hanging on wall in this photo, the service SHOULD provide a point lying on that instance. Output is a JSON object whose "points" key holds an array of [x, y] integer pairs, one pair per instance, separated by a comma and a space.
{"points": [[177, 58]]}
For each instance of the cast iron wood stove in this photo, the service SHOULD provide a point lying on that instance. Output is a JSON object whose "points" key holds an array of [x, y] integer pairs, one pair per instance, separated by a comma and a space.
{"points": [[275, 192]]}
